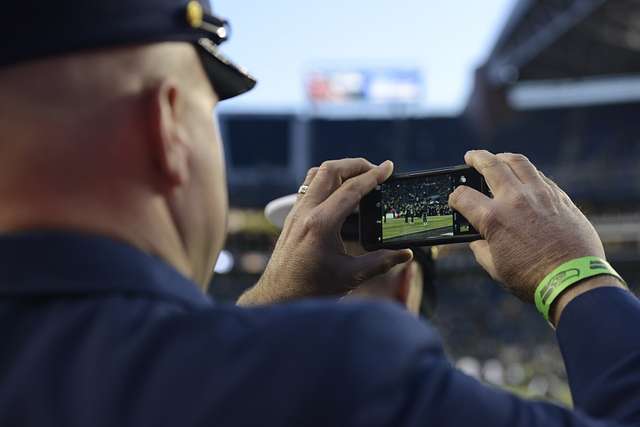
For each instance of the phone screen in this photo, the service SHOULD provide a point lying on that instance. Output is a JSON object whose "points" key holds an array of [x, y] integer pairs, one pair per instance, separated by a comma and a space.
{"points": [[413, 209]]}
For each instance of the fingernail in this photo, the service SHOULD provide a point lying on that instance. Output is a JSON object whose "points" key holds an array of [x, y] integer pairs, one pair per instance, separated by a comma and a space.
{"points": [[386, 163]]}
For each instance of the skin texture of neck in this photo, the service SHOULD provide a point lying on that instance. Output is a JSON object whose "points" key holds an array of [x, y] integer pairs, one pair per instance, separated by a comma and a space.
{"points": [[103, 204], [156, 237]]}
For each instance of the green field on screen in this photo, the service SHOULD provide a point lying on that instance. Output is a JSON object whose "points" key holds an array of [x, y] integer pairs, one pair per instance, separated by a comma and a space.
{"points": [[397, 227]]}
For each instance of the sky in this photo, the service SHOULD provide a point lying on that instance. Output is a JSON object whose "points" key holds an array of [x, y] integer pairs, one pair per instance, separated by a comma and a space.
{"points": [[280, 41]]}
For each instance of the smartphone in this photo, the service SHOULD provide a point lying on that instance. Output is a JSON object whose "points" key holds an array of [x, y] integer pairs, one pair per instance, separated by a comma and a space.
{"points": [[413, 209]]}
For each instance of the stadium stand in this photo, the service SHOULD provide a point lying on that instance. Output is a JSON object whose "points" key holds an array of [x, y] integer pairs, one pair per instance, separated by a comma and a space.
{"points": [[572, 39], [258, 150], [248, 132]]}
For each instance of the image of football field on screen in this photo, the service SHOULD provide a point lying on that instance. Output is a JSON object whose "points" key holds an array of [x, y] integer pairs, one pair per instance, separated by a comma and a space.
{"points": [[417, 209], [435, 226]]}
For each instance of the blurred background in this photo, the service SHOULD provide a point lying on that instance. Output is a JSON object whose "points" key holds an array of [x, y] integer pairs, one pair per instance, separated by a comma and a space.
{"points": [[420, 82]]}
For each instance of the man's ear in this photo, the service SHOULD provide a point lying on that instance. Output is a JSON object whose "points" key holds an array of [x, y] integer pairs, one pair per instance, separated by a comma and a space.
{"points": [[168, 141]]}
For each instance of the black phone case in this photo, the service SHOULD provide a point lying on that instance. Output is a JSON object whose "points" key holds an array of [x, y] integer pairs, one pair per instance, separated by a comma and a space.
{"points": [[368, 216]]}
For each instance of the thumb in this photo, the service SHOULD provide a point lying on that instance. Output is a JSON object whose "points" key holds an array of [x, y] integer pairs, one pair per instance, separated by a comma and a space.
{"points": [[482, 253], [379, 262]]}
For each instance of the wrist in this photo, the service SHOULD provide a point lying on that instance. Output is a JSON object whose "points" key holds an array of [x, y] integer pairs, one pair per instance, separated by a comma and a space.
{"points": [[269, 291], [248, 299], [570, 275], [258, 294], [566, 297]]}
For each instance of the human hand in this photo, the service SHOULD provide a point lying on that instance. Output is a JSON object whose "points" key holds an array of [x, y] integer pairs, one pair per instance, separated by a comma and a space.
{"points": [[530, 226], [310, 258], [402, 285]]}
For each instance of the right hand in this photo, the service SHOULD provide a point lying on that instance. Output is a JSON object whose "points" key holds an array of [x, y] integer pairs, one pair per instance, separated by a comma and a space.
{"points": [[530, 226], [310, 259]]}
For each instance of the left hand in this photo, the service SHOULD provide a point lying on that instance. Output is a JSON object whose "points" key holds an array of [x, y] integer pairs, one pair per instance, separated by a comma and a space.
{"points": [[309, 258], [530, 226]]}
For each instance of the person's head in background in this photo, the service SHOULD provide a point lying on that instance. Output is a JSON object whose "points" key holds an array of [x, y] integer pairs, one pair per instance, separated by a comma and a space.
{"points": [[109, 128], [410, 284]]}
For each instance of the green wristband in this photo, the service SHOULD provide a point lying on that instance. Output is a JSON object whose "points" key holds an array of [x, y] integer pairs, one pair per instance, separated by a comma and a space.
{"points": [[568, 274]]}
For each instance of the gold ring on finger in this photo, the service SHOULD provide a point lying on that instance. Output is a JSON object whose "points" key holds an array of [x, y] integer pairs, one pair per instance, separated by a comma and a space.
{"points": [[303, 190]]}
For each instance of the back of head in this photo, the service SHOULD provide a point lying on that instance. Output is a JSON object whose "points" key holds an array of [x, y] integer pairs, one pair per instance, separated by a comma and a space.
{"points": [[79, 113], [73, 88], [85, 90], [81, 134], [106, 123]]}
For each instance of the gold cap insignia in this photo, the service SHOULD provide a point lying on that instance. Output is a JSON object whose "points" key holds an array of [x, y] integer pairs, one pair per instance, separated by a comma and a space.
{"points": [[195, 14]]}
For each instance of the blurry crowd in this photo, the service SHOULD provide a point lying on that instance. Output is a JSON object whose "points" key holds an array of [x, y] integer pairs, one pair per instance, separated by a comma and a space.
{"points": [[498, 339]]}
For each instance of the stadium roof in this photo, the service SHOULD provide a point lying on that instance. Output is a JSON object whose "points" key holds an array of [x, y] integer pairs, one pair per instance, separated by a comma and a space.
{"points": [[567, 39]]}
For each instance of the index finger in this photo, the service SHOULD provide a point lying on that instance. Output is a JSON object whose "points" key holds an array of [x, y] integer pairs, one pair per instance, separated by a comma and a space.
{"points": [[344, 201], [331, 174], [497, 173]]}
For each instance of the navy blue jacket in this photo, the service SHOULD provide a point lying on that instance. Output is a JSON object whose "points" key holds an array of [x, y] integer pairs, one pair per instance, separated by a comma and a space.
{"points": [[96, 333]]}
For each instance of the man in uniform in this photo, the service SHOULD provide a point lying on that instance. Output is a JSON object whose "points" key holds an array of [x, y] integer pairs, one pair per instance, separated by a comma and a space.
{"points": [[112, 213]]}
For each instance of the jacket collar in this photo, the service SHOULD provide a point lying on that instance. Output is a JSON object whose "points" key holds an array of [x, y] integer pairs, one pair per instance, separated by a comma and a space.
{"points": [[66, 263]]}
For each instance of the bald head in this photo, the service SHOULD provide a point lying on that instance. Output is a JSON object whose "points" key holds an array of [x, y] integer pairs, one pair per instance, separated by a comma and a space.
{"points": [[119, 142], [74, 87]]}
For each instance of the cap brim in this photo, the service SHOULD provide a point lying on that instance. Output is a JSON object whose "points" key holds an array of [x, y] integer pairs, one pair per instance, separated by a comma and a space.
{"points": [[227, 78], [277, 210]]}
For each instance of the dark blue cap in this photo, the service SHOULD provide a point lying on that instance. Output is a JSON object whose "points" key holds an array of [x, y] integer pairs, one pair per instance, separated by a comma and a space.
{"points": [[31, 30]]}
